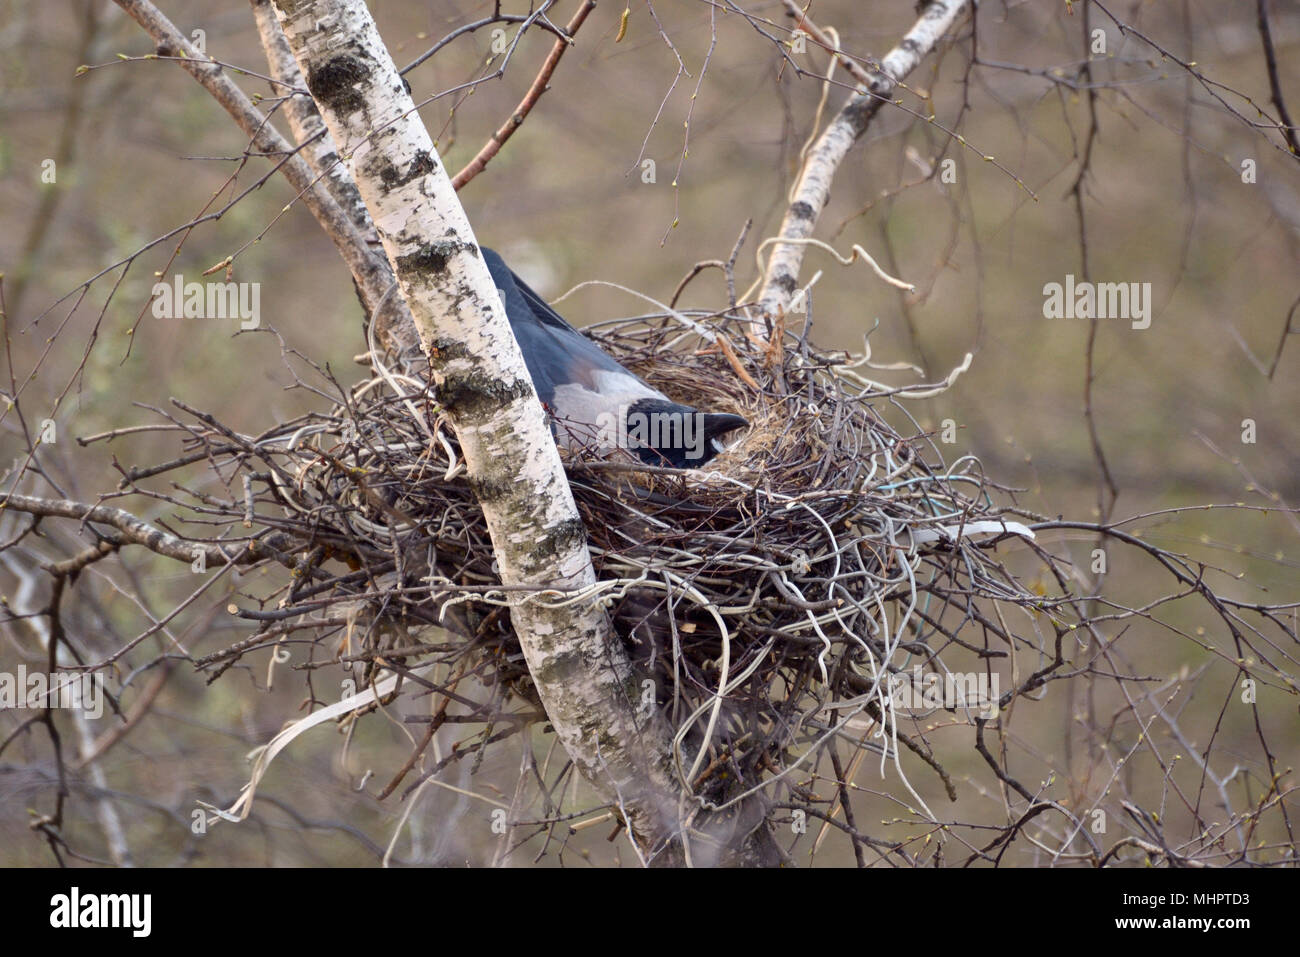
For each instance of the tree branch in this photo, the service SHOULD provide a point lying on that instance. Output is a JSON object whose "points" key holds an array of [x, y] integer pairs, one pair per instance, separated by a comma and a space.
{"points": [[394, 327], [813, 189], [1287, 128], [540, 86], [371, 279], [139, 532]]}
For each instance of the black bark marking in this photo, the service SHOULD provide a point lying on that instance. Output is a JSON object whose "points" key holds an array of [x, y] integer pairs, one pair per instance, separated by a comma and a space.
{"points": [[473, 395], [859, 111], [561, 538], [449, 349], [334, 83], [432, 257], [422, 165], [488, 489]]}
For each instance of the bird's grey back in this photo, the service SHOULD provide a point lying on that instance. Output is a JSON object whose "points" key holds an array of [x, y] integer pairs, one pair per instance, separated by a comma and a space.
{"points": [[556, 353]]}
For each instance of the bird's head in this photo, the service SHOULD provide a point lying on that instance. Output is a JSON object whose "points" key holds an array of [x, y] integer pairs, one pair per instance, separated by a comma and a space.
{"points": [[675, 436]]}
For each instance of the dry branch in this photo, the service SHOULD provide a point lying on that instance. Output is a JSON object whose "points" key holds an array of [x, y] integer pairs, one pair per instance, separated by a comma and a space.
{"points": [[824, 158], [370, 276], [540, 86]]}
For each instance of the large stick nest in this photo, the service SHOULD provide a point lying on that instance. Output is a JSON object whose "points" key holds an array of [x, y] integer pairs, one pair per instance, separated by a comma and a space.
{"points": [[766, 595]]}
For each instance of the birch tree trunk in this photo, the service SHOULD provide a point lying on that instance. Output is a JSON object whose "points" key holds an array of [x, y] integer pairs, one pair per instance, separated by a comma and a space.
{"points": [[394, 330], [580, 668]]}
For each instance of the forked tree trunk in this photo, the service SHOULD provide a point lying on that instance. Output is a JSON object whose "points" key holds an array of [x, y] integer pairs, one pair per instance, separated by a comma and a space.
{"points": [[580, 668]]}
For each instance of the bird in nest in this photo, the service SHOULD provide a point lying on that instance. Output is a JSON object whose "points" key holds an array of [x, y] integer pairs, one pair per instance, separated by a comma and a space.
{"points": [[594, 402]]}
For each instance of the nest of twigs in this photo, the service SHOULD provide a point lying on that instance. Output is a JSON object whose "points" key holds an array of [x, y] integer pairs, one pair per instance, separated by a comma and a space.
{"points": [[793, 573]]}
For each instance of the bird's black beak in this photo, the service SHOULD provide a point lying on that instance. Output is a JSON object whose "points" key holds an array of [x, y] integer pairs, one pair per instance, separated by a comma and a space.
{"points": [[717, 424]]}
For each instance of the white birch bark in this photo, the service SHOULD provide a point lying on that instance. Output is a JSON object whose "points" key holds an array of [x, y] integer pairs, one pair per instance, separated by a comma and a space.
{"points": [[814, 186], [580, 668], [305, 121], [394, 328], [372, 280]]}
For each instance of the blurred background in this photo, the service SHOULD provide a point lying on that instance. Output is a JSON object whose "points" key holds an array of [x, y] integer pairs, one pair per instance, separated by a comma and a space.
{"points": [[1186, 187]]}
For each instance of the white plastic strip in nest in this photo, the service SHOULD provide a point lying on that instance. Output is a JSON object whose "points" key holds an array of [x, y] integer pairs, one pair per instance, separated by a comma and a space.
{"points": [[949, 533]]}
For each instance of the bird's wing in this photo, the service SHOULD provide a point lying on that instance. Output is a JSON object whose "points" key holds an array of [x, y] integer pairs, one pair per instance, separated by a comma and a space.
{"points": [[585, 388], [589, 365], [558, 354]]}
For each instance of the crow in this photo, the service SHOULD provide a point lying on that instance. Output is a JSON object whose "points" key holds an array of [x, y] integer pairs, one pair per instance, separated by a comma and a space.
{"points": [[593, 401]]}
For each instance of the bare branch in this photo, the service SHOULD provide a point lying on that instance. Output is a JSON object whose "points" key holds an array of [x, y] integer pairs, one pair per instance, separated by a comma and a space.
{"points": [[540, 86], [813, 188]]}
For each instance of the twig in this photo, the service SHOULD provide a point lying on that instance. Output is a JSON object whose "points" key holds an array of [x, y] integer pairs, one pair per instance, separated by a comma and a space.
{"points": [[540, 86]]}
